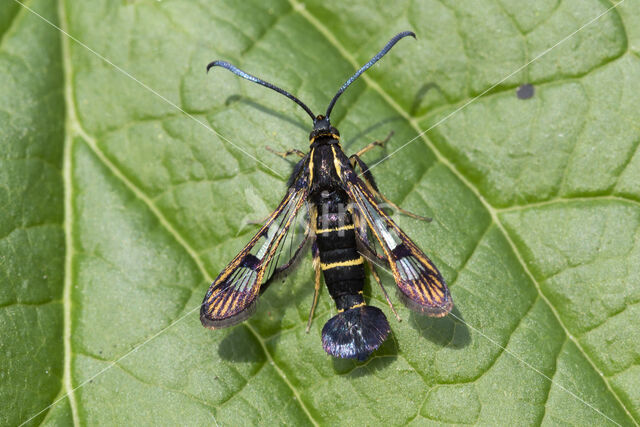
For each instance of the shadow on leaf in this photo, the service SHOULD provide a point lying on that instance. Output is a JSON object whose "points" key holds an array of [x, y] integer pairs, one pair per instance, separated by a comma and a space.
{"points": [[379, 360], [240, 346], [444, 331], [253, 104], [420, 95], [369, 134], [275, 301]]}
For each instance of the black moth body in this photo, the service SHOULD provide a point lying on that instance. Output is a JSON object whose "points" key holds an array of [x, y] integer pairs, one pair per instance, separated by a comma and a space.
{"points": [[344, 217], [357, 329]]}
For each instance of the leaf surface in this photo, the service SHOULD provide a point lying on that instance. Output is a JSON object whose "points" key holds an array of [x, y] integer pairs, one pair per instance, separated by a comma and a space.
{"points": [[127, 184]]}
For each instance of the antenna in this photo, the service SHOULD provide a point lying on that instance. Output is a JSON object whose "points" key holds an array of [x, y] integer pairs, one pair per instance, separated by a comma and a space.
{"points": [[368, 65], [239, 72]]}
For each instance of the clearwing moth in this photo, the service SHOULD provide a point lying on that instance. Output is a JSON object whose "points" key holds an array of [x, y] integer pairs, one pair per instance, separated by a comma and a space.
{"points": [[343, 212]]}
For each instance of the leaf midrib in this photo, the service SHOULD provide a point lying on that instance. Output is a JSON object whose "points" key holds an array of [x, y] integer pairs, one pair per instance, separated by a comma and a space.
{"points": [[67, 179], [74, 128]]}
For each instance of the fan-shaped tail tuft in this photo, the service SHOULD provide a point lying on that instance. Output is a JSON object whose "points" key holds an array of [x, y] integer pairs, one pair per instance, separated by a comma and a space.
{"points": [[355, 333]]}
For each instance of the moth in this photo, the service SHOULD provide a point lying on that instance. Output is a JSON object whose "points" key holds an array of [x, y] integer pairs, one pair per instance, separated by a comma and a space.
{"points": [[343, 217]]}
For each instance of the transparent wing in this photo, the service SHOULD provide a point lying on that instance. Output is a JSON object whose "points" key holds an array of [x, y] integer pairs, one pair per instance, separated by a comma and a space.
{"points": [[418, 279], [232, 296], [365, 243]]}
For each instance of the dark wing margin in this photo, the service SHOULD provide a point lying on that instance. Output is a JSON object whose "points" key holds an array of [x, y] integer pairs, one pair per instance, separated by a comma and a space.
{"points": [[420, 283], [231, 298]]}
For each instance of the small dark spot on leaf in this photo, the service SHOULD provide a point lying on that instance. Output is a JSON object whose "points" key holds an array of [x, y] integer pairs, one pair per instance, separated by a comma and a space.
{"points": [[525, 91]]}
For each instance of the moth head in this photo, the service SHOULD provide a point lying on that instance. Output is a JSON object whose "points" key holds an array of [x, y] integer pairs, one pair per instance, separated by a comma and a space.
{"points": [[322, 128]]}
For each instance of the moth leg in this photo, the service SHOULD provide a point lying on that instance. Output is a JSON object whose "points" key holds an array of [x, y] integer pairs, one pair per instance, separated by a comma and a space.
{"points": [[403, 211], [259, 222], [284, 154], [375, 144], [374, 273], [316, 267], [356, 161]]}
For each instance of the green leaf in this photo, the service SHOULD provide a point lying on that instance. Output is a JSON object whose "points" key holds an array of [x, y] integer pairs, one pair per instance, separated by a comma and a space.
{"points": [[118, 209]]}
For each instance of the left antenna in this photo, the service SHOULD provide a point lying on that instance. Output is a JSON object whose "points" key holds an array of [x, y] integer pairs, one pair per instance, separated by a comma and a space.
{"points": [[238, 72]]}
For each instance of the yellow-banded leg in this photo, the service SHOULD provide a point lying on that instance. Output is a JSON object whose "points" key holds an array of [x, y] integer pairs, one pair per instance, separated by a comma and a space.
{"points": [[374, 273], [260, 221], [318, 270], [369, 181], [373, 144], [284, 154]]}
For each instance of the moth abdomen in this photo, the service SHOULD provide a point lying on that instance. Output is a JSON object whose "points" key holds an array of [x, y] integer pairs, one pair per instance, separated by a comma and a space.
{"points": [[357, 329]]}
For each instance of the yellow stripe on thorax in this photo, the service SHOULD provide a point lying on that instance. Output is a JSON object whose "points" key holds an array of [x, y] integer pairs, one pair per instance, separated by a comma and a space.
{"points": [[329, 230], [336, 162], [348, 263], [311, 166]]}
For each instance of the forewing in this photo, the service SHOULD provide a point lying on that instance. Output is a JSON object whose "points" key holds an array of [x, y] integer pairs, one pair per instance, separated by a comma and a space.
{"points": [[232, 296], [418, 279]]}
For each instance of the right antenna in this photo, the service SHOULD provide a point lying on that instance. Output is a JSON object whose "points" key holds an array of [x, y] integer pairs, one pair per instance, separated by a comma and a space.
{"points": [[368, 65]]}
